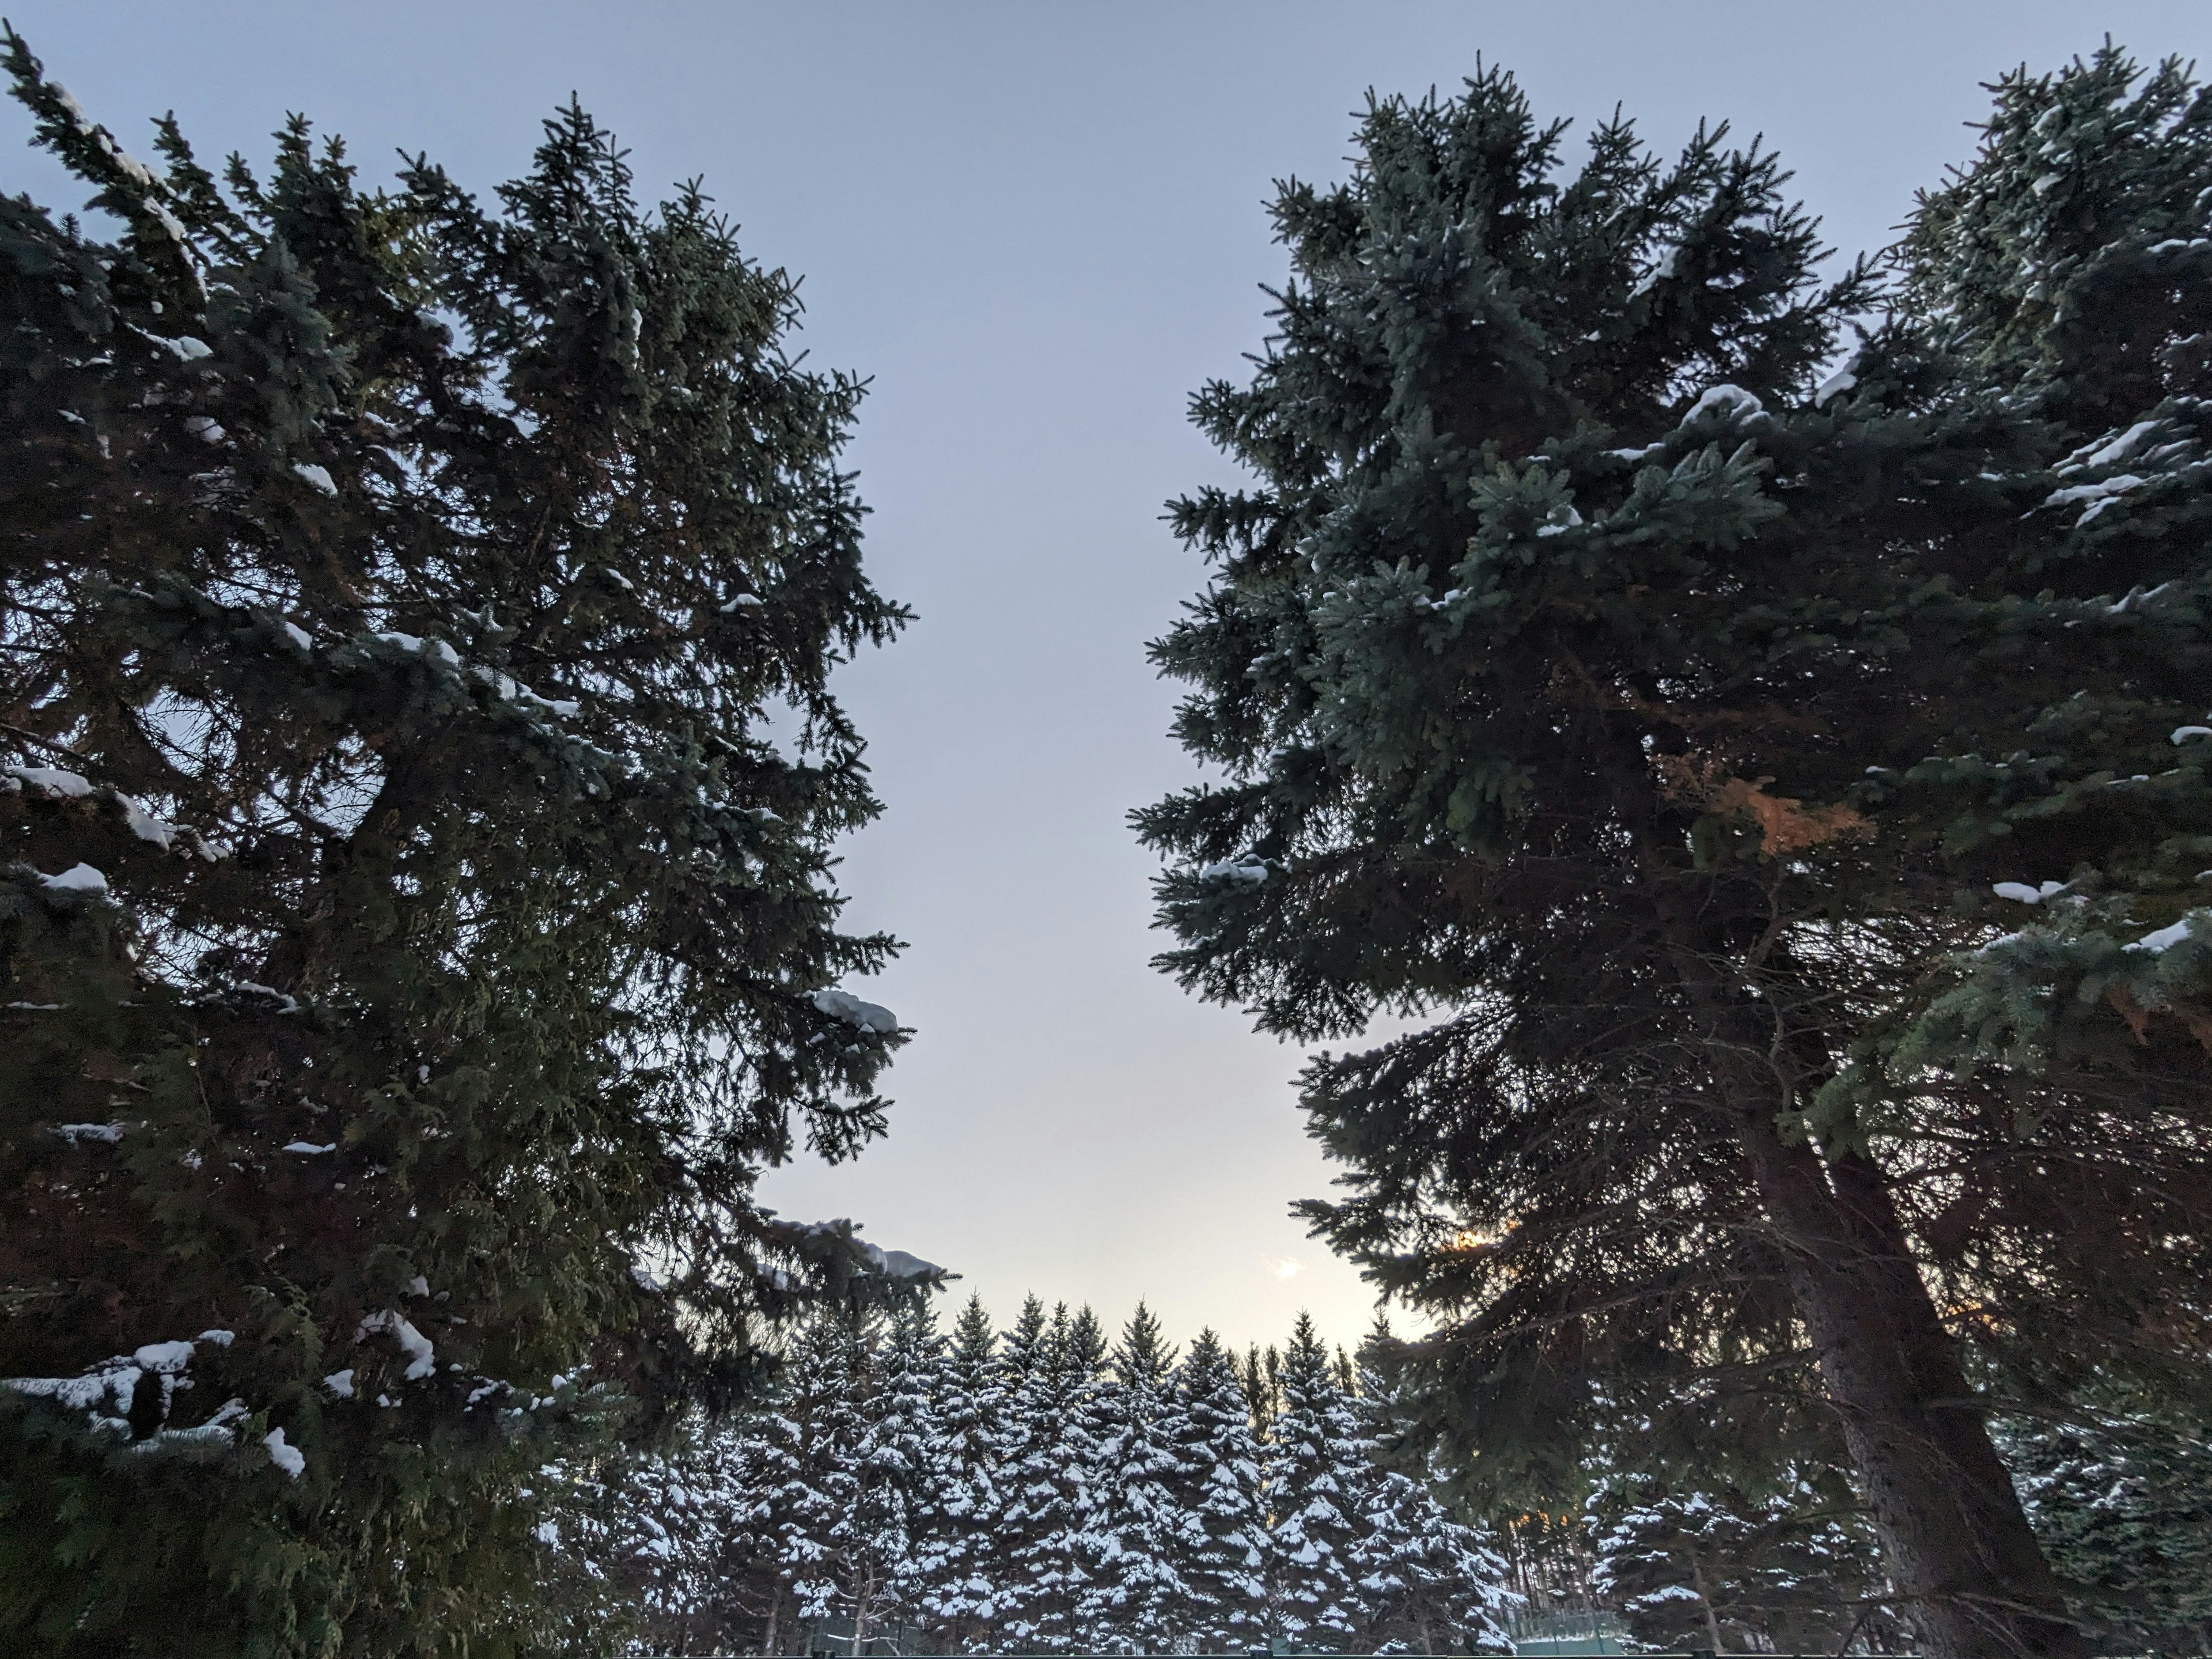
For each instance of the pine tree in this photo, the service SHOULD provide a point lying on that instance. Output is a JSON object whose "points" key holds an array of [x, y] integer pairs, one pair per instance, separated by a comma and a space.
{"points": [[1314, 1462], [810, 1460], [414, 946], [1590, 673], [899, 1493], [1791, 1570], [956, 1558], [1216, 1459], [676, 1538], [1052, 1502], [2120, 1490], [1138, 1601], [1427, 1583]]}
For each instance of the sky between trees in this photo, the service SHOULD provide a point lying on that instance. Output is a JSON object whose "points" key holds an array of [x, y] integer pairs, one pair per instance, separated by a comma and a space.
{"points": [[1039, 233]]}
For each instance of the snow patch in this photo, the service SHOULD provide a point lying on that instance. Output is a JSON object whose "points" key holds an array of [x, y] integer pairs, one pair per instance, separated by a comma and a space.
{"points": [[2020, 891], [285, 1455], [77, 878], [53, 779], [1245, 871], [422, 1353], [1732, 401], [316, 477], [868, 1016], [78, 1134], [2158, 944]]}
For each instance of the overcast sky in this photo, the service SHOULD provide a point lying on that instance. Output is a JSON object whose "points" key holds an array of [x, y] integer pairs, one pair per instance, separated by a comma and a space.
{"points": [[1039, 228]]}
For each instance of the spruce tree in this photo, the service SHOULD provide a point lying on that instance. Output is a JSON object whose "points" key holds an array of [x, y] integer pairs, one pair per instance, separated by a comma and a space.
{"points": [[1591, 673], [414, 946], [958, 1562], [1427, 1582], [812, 1479], [2120, 1491], [897, 1503], [1053, 1502], [1314, 1462], [1138, 1601], [1216, 1457], [1791, 1570]]}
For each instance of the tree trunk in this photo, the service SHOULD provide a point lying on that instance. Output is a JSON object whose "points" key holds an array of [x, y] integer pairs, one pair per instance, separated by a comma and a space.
{"points": [[1958, 1546]]}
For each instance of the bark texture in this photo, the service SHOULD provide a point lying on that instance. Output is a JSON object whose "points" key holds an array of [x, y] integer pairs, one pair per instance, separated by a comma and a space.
{"points": [[1964, 1560]]}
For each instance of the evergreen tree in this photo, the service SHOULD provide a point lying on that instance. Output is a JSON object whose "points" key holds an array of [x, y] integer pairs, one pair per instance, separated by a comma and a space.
{"points": [[1138, 1601], [1427, 1582], [677, 1539], [2121, 1492], [1216, 1460], [1790, 1571], [1054, 1502], [899, 1491], [812, 1483], [1590, 673], [414, 946], [1314, 1462], [957, 1559]]}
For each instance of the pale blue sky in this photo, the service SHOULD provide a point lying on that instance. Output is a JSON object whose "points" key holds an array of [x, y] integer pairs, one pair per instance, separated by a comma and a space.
{"points": [[1040, 228]]}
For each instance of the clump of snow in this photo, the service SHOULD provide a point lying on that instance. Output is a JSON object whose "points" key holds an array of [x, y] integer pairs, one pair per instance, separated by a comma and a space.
{"points": [[163, 1357], [2182, 734], [144, 825], [316, 477], [2158, 943], [285, 1455], [1245, 871], [188, 350], [1666, 266], [744, 602], [340, 1383], [2023, 893], [2098, 495], [299, 636], [1733, 401], [421, 1354], [77, 878], [1837, 383], [868, 1016], [53, 779], [1637, 454], [896, 1264], [646, 1280], [2103, 454], [75, 1133], [308, 1148]]}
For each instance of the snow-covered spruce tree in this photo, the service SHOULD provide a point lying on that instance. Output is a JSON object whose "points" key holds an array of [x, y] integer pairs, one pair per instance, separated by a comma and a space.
{"points": [[1313, 1462], [1548, 657], [898, 1458], [2121, 1494], [1138, 1601], [1427, 1582], [812, 1481], [1052, 1499], [671, 1529], [957, 1562], [409, 935], [1216, 1460], [1794, 1569]]}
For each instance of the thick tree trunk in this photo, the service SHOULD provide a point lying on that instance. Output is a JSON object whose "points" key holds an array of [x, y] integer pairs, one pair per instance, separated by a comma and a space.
{"points": [[1958, 1546]]}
